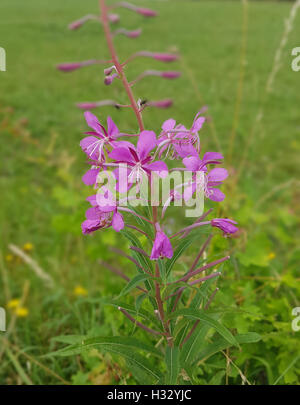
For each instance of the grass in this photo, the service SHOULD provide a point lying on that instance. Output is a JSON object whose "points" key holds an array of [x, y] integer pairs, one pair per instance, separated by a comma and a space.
{"points": [[41, 166]]}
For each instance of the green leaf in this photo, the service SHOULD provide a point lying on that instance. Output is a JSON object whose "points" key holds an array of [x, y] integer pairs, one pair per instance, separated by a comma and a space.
{"points": [[134, 282], [142, 260], [192, 346], [173, 364], [106, 343], [221, 344], [179, 251], [209, 320], [130, 308], [69, 339]]}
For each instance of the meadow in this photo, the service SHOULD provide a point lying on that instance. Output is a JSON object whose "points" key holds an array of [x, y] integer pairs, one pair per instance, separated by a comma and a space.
{"points": [[53, 280]]}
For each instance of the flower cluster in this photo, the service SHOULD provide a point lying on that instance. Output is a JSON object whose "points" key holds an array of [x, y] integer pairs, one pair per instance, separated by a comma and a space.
{"points": [[106, 150]]}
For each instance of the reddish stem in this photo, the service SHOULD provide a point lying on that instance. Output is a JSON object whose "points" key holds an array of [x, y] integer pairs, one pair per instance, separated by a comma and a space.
{"points": [[119, 68]]}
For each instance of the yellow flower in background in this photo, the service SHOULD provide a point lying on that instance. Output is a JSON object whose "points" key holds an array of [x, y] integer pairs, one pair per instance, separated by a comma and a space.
{"points": [[9, 258], [271, 256], [28, 247], [80, 291], [14, 303], [21, 312]]}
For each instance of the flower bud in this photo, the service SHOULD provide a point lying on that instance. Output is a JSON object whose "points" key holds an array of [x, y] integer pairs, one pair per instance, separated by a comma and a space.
{"points": [[87, 106], [165, 57], [109, 79], [114, 18], [170, 74], [161, 103], [109, 70], [146, 12], [78, 23], [69, 67]]}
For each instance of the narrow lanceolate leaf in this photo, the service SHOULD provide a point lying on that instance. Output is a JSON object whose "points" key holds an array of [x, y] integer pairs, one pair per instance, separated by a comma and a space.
{"points": [[173, 364], [107, 343], [209, 320], [133, 283], [143, 261], [222, 344], [195, 343], [179, 251], [133, 311]]}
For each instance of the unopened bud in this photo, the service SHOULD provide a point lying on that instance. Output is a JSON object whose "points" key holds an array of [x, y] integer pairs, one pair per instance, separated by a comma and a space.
{"points": [[69, 67], [109, 79], [146, 12], [165, 57], [170, 74], [114, 18]]}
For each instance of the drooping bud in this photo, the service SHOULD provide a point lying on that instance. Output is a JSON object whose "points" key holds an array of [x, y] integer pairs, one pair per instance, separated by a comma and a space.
{"points": [[78, 23], [160, 104], [161, 56], [165, 57], [128, 34], [165, 75], [170, 74], [69, 67], [87, 105], [146, 12], [109, 70], [109, 79], [114, 18]]}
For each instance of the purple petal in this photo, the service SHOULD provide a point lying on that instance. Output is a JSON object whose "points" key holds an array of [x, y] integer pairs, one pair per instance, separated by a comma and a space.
{"points": [[197, 124], [112, 129], [117, 222], [89, 226], [146, 142], [212, 156], [92, 199], [192, 163], [167, 248], [93, 122], [160, 167], [184, 150], [168, 125], [217, 174], [92, 213], [216, 195], [121, 155], [90, 177]]}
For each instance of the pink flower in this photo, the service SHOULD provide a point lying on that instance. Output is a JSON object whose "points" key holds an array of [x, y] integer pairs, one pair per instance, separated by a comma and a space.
{"points": [[162, 246], [95, 145], [138, 158], [95, 219], [226, 225], [212, 179], [107, 204], [177, 137]]}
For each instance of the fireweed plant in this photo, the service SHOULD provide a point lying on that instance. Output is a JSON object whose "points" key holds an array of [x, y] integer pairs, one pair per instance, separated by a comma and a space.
{"points": [[172, 310]]}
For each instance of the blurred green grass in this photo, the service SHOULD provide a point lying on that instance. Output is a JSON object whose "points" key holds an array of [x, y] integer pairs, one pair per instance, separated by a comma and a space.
{"points": [[41, 163]]}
